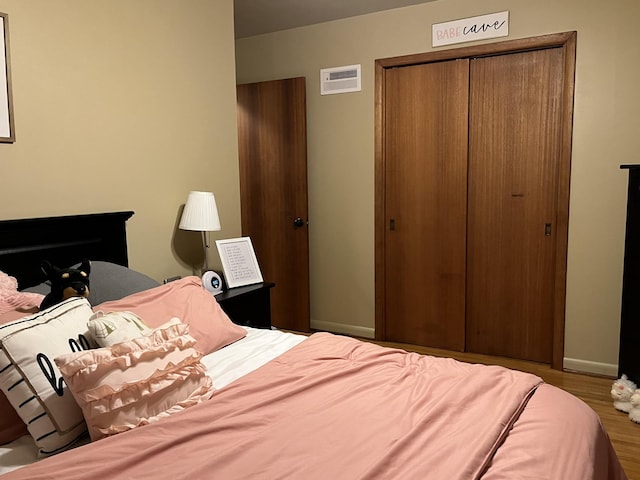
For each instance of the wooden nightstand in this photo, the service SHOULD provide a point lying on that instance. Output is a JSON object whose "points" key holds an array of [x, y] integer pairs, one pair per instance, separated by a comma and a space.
{"points": [[249, 306]]}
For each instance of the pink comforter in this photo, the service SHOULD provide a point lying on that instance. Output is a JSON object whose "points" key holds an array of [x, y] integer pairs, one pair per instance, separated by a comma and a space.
{"points": [[337, 408]]}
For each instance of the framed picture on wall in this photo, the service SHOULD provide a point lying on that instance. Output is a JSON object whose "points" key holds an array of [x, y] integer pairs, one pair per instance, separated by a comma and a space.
{"points": [[6, 105], [239, 261]]}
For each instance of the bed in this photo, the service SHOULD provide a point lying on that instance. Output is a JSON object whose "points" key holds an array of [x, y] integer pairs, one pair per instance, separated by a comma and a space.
{"points": [[263, 404]]}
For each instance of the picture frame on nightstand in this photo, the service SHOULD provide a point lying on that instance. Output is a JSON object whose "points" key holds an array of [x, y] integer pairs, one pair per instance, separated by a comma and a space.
{"points": [[239, 262]]}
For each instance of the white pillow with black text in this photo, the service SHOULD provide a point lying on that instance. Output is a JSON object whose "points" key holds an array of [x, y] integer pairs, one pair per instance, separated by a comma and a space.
{"points": [[31, 380]]}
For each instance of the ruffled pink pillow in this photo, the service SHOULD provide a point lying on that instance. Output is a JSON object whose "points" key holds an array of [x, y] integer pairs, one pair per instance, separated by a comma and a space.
{"points": [[134, 383], [14, 301]]}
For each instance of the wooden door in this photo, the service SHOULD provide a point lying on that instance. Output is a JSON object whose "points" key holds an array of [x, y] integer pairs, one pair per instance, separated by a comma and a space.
{"points": [[425, 128], [273, 192], [520, 107], [514, 157]]}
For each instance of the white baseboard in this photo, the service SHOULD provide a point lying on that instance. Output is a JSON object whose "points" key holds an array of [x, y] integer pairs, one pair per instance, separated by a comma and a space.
{"points": [[585, 366], [352, 330]]}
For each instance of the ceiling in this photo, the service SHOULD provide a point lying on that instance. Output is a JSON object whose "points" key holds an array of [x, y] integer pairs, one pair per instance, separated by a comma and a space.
{"points": [[255, 17]]}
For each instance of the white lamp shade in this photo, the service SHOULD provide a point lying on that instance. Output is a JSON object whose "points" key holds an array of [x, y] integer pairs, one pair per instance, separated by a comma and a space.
{"points": [[200, 213]]}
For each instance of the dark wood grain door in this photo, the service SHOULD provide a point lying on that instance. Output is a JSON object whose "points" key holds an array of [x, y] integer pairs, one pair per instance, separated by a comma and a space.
{"points": [[514, 157], [473, 161], [272, 149], [425, 203]]}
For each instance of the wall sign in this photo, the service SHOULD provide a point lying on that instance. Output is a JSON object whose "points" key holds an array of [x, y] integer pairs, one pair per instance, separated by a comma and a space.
{"points": [[492, 25]]}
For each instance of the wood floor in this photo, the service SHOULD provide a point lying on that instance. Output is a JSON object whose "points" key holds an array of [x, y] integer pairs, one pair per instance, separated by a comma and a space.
{"points": [[593, 390]]}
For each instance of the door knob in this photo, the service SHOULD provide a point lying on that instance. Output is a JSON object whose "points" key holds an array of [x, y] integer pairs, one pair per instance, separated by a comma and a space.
{"points": [[298, 222]]}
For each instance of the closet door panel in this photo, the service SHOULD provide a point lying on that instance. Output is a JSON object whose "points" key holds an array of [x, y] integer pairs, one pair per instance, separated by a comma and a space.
{"points": [[425, 128], [514, 147]]}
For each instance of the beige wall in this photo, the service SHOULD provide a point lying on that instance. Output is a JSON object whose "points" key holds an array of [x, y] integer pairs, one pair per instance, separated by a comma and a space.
{"points": [[123, 105], [341, 151]]}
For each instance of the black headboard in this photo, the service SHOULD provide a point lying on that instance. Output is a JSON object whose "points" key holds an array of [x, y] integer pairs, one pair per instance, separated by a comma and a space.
{"points": [[64, 241]]}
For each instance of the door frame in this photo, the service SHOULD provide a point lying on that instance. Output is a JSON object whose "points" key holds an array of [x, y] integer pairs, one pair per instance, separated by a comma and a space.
{"points": [[566, 41]]}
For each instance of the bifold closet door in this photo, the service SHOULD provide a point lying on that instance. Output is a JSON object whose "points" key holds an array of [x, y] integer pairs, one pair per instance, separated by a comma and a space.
{"points": [[425, 131], [514, 148]]}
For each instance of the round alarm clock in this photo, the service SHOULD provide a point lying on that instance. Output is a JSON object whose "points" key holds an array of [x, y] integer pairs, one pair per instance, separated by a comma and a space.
{"points": [[212, 282]]}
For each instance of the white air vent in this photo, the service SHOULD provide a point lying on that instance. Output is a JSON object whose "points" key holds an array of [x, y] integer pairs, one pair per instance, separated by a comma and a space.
{"points": [[340, 80]]}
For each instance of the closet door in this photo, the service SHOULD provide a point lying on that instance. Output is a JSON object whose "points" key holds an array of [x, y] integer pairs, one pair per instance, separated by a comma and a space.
{"points": [[514, 155], [425, 129], [505, 243]]}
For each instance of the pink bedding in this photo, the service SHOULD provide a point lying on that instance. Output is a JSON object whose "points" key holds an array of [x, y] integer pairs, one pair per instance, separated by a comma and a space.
{"points": [[187, 300], [337, 408]]}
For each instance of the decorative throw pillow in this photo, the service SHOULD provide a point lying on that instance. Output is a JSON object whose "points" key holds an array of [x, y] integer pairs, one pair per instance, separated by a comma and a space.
{"points": [[11, 425], [30, 379], [137, 382], [11, 299], [116, 327], [187, 300]]}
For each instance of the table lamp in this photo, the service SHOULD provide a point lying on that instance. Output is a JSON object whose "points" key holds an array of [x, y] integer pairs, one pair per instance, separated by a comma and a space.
{"points": [[201, 214]]}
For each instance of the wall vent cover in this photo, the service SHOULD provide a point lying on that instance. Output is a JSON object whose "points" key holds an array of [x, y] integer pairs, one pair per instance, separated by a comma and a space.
{"points": [[340, 80]]}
